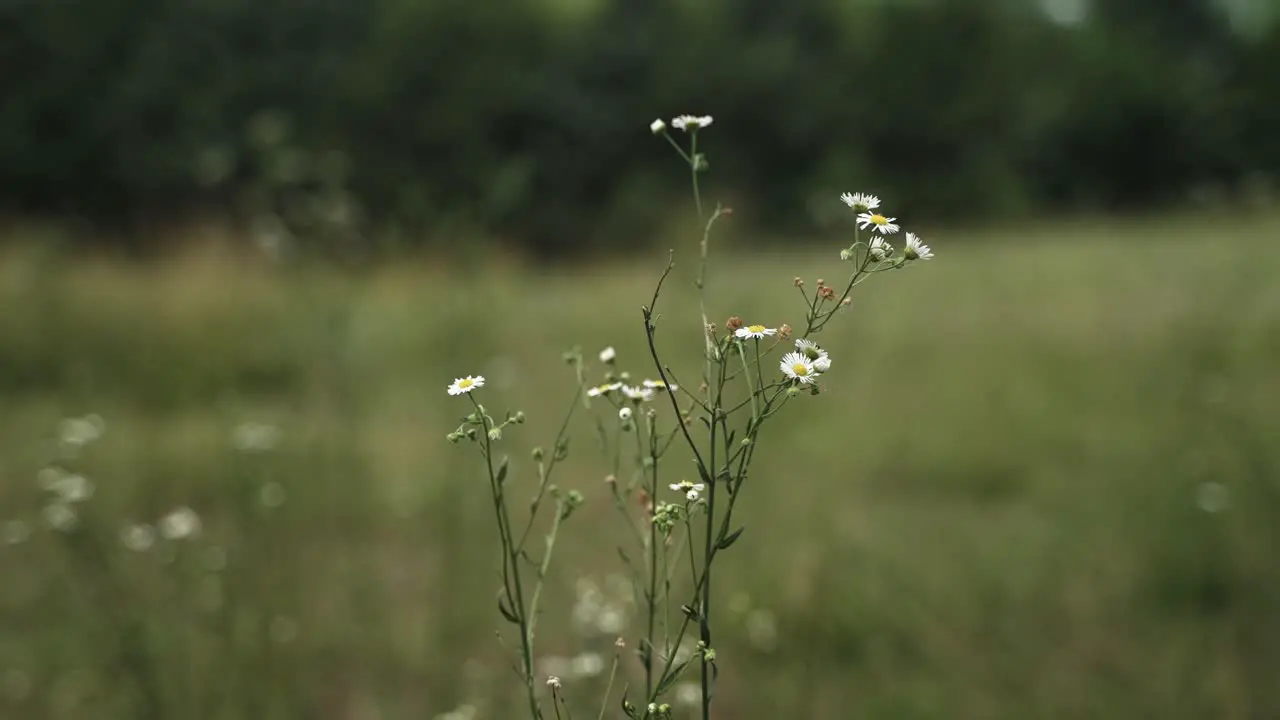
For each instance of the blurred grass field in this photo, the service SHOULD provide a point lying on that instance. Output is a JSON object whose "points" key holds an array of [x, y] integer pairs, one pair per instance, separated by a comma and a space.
{"points": [[1043, 481]]}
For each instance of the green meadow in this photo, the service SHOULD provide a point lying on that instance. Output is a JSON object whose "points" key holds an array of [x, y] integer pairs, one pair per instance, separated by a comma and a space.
{"points": [[1042, 481]]}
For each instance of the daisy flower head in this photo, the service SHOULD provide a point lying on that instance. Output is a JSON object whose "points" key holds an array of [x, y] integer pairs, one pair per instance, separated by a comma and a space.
{"points": [[819, 357], [916, 250], [605, 389], [875, 221], [755, 331], [466, 384], [636, 394], [660, 386], [879, 249], [690, 489], [861, 202], [809, 349], [690, 123], [799, 368]]}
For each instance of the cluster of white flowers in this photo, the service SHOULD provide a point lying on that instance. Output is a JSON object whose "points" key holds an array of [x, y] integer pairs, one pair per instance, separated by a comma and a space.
{"points": [[690, 489], [869, 218], [807, 363], [688, 123]]}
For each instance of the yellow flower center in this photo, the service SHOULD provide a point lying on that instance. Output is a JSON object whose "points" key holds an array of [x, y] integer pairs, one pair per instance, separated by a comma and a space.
{"points": [[800, 369], [466, 383], [879, 219], [757, 329]]}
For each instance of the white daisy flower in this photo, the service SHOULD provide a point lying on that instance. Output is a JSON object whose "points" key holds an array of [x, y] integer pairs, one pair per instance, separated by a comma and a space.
{"points": [[809, 348], [689, 123], [798, 367], [876, 221], [879, 249], [861, 201], [660, 386], [821, 361], [755, 331], [657, 126], [637, 394], [691, 490], [916, 250], [608, 355], [466, 384], [604, 389], [624, 413]]}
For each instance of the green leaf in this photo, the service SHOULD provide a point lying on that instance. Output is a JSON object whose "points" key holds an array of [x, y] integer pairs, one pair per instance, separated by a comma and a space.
{"points": [[731, 538], [502, 470], [674, 675]]}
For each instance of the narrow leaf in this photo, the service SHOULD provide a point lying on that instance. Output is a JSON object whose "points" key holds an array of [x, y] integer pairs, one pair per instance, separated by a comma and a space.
{"points": [[731, 538], [502, 470]]}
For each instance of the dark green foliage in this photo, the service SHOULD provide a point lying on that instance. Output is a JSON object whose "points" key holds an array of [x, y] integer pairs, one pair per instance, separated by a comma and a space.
{"points": [[527, 120]]}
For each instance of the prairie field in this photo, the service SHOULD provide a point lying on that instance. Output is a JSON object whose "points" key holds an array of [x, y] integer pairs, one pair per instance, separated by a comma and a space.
{"points": [[1044, 482]]}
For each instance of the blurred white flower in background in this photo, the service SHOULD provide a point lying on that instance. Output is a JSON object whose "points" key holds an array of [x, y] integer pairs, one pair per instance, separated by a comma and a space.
{"points": [[588, 664], [138, 538], [1213, 497], [462, 712], [77, 432], [689, 694], [72, 488], [60, 516], [255, 437], [179, 524]]}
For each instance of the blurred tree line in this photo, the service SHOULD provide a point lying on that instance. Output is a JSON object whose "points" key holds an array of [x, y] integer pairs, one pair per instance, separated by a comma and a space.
{"points": [[527, 119]]}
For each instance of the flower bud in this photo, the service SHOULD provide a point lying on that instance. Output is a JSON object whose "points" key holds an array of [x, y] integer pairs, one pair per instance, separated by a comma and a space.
{"points": [[657, 127], [538, 454]]}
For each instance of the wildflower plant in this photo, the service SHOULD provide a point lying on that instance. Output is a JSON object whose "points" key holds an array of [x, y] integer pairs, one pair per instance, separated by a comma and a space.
{"points": [[651, 428]]}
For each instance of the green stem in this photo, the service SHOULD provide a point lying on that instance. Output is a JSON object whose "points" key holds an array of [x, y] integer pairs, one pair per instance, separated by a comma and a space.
{"points": [[510, 565]]}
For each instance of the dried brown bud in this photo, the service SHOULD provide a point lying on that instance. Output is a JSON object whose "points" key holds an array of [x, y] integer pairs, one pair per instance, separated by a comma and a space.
{"points": [[798, 282], [784, 332], [645, 501], [827, 293], [821, 282], [846, 302], [733, 323]]}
